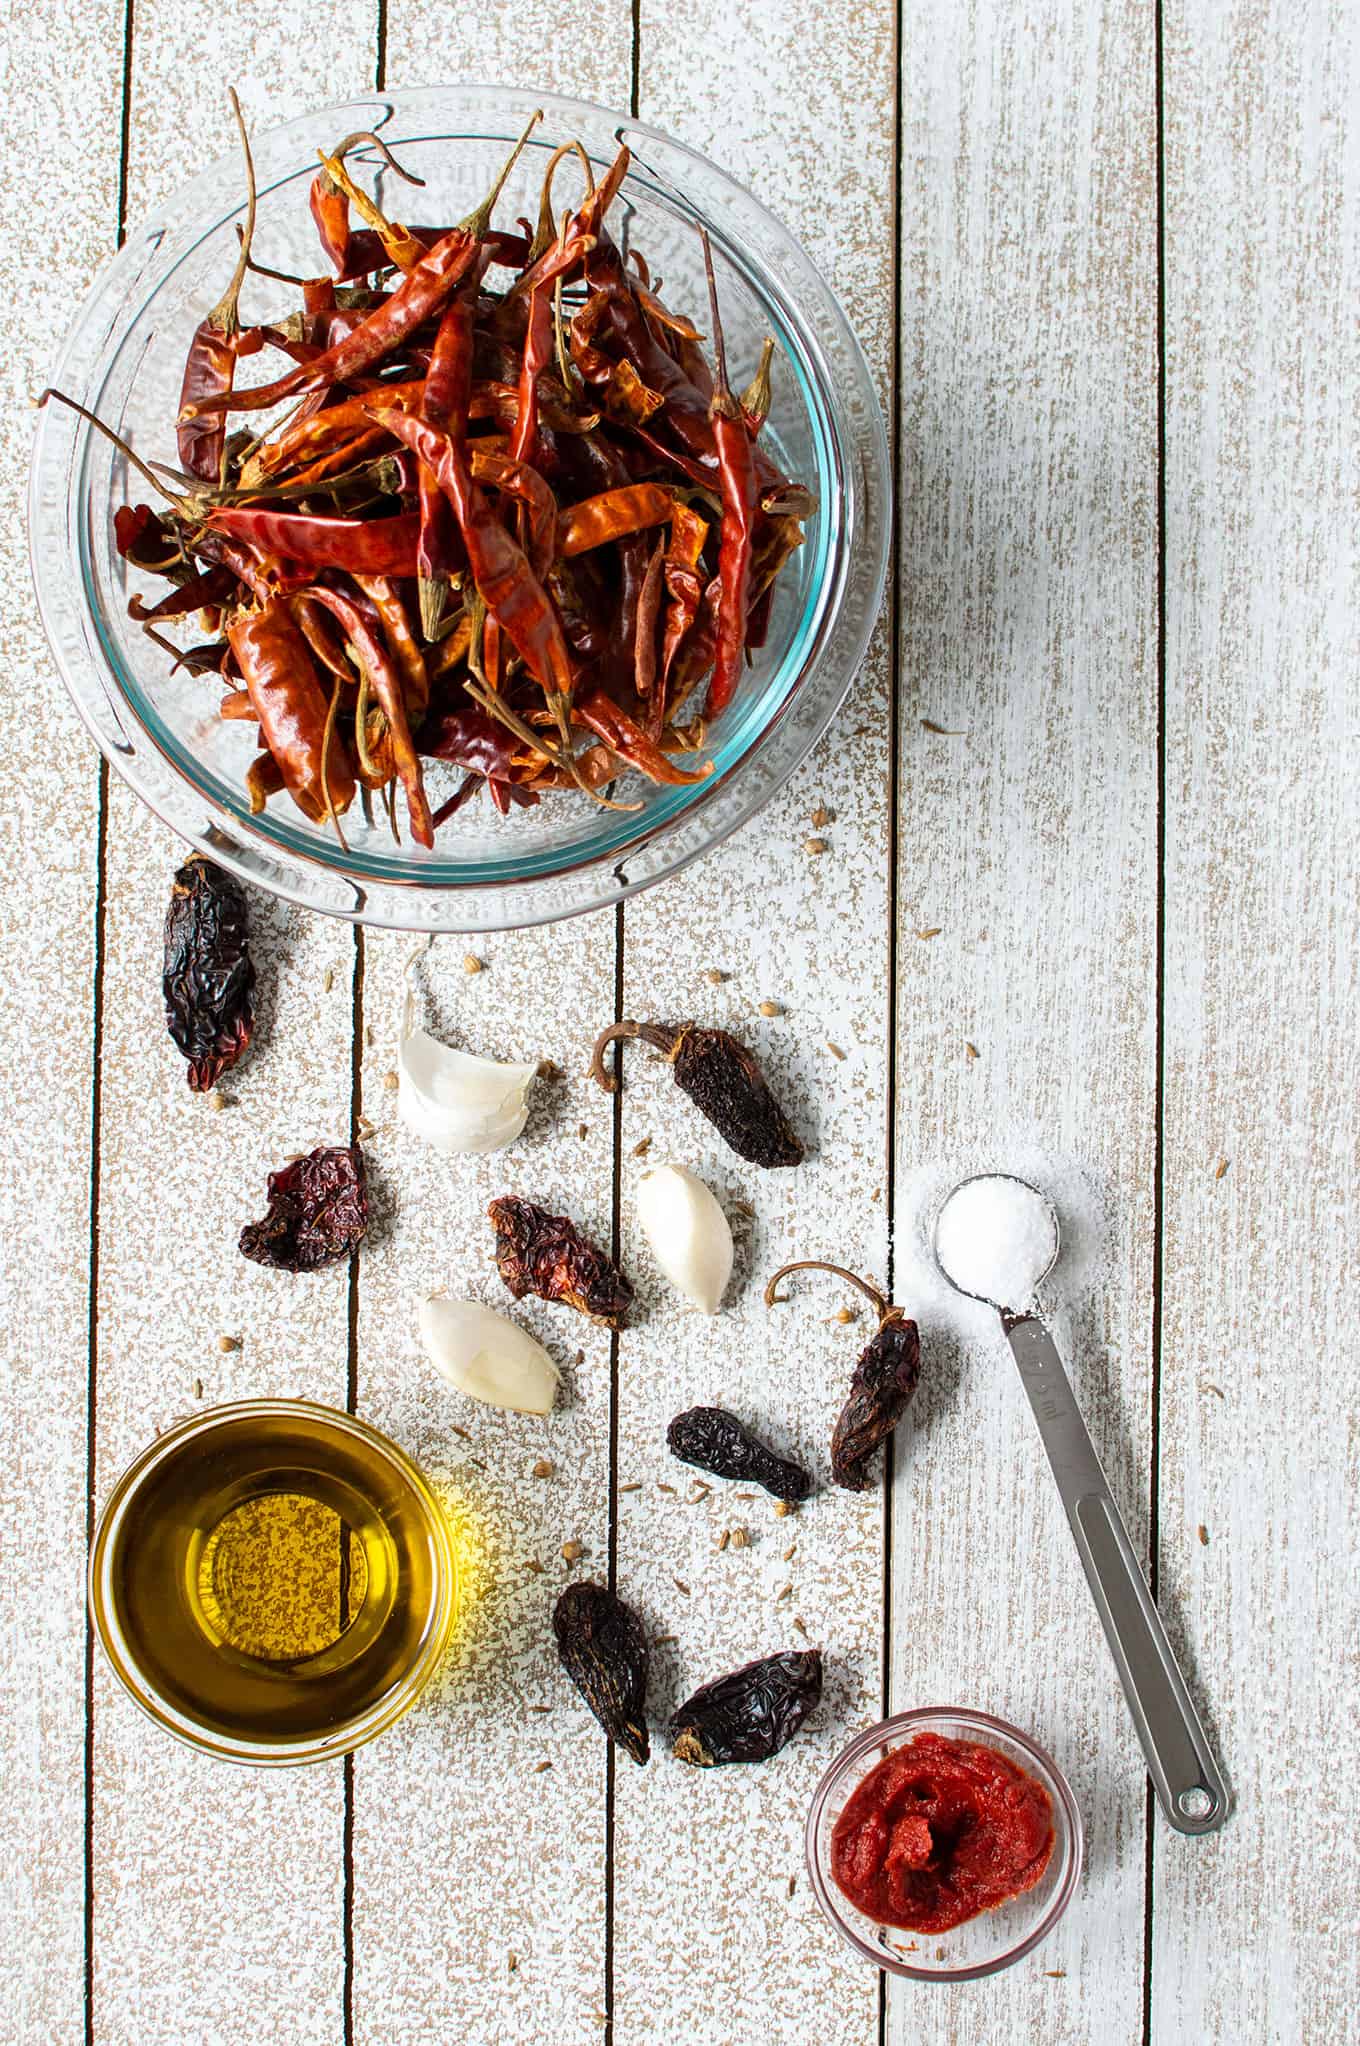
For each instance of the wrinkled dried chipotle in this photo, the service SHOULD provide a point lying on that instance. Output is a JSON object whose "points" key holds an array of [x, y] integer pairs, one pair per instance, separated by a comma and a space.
{"points": [[723, 1080], [602, 1648], [749, 1715], [208, 978], [716, 1441], [886, 1376], [318, 1211], [546, 1254]]}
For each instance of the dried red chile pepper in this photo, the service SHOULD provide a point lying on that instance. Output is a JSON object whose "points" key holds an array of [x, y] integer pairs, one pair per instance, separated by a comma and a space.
{"points": [[885, 1378], [602, 1648], [318, 1211], [208, 978], [723, 1080], [751, 1714], [546, 1254], [714, 1440]]}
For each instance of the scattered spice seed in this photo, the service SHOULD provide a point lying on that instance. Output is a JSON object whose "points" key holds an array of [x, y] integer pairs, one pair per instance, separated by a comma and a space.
{"points": [[226, 1343], [641, 1150], [532, 1563], [783, 1507], [662, 1486], [363, 1129], [770, 1009], [543, 1469], [740, 1538], [548, 1069], [198, 1388], [820, 817], [635, 1487], [540, 1708], [1057, 1974], [665, 1640], [846, 1314], [814, 845], [217, 1099], [933, 932], [723, 1539], [971, 1050], [476, 1463], [793, 1884], [784, 1591], [715, 976], [471, 963], [512, 1961], [834, 1049], [572, 1552], [1204, 1534], [539, 1767], [464, 1432], [681, 1585], [1221, 1168], [391, 1082], [1217, 1390], [944, 731], [583, 1130], [800, 1628], [788, 1553], [327, 981], [746, 1495]]}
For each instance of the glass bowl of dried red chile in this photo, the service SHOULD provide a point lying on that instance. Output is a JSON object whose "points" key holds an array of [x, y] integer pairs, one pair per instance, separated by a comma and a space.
{"points": [[944, 1844], [162, 729]]}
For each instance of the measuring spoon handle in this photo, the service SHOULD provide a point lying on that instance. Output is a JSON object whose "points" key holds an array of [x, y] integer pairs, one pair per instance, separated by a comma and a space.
{"points": [[1185, 1775]]}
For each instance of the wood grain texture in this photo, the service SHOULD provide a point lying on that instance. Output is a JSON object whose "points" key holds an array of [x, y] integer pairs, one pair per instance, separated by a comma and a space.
{"points": [[479, 1877], [213, 1886], [1028, 843], [48, 849], [1253, 1930], [791, 102]]}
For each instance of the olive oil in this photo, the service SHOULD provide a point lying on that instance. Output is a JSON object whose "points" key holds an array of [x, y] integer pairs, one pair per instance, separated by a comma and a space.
{"points": [[273, 1581]]}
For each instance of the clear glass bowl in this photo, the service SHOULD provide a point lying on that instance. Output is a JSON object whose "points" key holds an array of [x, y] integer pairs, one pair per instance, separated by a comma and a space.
{"points": [[995, 1938], [156, 1582], [124, 361]]}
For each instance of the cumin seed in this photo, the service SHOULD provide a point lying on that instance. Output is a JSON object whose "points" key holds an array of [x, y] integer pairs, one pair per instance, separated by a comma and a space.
{"points": [[944, 731], [539, 1767], [641, 1150], [681, 1585], [971, 1050], [327, 981], [933, 932], [723, 1539], [630, 1488], [1221, 1168], [464, 1432], [834, 1049], [800, 1627], [1204, 1534]]}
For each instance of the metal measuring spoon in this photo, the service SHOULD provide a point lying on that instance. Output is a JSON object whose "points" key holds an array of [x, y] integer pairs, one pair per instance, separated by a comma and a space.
{"points": [[1185, 1775]]}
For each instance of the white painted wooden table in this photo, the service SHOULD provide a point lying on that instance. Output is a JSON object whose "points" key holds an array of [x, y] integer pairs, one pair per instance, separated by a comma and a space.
{"points": [[1105, 261]]}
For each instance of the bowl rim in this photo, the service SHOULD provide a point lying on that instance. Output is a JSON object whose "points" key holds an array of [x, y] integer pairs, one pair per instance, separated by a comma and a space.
{"points": [[891, 1729], [346, 1735], [843, 616]]}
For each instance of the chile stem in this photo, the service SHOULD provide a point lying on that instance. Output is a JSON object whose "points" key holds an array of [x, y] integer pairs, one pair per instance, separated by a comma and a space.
{"points": [[884, 1309]]}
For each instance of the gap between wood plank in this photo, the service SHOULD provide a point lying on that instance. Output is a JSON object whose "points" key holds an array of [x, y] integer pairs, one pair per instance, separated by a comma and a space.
{"points": [[1159, 982], [96, 1122], [894, 608]]}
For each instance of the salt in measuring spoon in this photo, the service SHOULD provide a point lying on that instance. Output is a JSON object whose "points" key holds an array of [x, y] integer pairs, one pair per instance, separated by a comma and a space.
{"points": [[1185, 1775]]}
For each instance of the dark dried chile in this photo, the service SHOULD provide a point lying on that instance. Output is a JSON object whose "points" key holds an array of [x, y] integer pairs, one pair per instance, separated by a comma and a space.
{"points": [[318, 1211], [602, 1648], [749, 1715], [886, 1376], [723, 1080], [717, 1441], [208, 979], [546, 1254]]}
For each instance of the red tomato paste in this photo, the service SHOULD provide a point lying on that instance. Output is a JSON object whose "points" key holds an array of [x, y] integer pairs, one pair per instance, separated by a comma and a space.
{"points": [[939, 1831]]}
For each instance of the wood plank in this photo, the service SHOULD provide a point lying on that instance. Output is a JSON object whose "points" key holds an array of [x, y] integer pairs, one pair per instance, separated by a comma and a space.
{"points": [[49, 796], [503, 1933], [1029, 842], [1253, 1930], [213, 1881], [794, 102]]}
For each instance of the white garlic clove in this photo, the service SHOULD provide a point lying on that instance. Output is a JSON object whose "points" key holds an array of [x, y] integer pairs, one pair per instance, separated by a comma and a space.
{"points": [[456, 1102], [487, 1356], [688, 1233]]}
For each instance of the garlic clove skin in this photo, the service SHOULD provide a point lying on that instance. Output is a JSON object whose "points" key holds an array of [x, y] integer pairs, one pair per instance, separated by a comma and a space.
{"points": [[456, 1102], [688, 1233], [487, 1356]]}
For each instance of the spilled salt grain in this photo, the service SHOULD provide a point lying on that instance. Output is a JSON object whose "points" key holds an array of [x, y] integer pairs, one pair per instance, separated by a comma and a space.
{"points": [[995, 1238]]}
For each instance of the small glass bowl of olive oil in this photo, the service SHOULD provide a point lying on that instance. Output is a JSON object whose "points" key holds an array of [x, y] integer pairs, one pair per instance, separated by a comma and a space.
{"points": [[273, 1582]]}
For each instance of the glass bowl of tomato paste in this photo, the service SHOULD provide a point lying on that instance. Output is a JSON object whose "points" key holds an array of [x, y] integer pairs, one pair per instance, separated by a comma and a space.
{"points": [[159, 726], [944, 1844]]}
